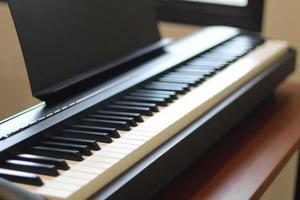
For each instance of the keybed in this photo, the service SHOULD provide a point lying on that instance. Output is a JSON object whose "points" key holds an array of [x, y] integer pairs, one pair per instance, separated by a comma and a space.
{"points": [[85, 155]]}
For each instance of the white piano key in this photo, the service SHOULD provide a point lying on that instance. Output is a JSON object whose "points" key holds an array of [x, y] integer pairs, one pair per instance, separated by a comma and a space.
{"points": [[91, 163], [60, 185], [117, 145], [78, 175], [129, 141], [144, 129], [143, 133], [136, 137], [117, 150], [103, 160], [74, 164], [62, 179], [53, 193], [70, 180], [87, 169], [109, 155]]}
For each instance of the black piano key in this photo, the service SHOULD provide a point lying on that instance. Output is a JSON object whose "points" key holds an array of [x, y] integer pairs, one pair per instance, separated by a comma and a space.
{"points": [[143, 110], [175, 75], [233, 53], [92, 144], [172, 94], [185, 75], [137, 116], [58, 163], [158, 101], [200, 76], [204, 67], [215, 68], [192, 70], [237, 53], [32, 167], [256, 39], [179, 85], [152, 106], [90, 135], [21, 177], [216, 57], [222, 57], [224, 54], [248, 39], [206, 62], [112, 132], [179, 80], [145, 94], [56, 153], [179, 90], [239, 44], [232, 50], [129, 120], [235, 47], [121, 125], [83, 149]]}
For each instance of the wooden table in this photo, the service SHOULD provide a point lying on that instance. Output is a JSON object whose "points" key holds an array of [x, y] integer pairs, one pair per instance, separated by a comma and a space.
{"points": [[244, 163]]}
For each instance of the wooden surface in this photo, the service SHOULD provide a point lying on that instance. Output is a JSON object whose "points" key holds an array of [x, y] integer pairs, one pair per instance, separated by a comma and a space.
{"points": [[244, 163]]}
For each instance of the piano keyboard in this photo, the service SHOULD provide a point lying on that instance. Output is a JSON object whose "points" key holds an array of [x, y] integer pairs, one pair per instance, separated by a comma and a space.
{"points": [[82, 155]]}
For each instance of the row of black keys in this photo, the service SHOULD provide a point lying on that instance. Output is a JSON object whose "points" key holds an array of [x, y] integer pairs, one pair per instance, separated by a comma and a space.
{"points": [[78, 140]]}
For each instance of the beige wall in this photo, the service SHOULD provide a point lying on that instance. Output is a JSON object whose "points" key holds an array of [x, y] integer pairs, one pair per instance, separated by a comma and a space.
{"points": [[14, 85], [282, 20]]}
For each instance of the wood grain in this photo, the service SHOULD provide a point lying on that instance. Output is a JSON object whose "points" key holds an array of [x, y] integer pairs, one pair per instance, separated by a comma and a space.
{"points": [[244, 163]]}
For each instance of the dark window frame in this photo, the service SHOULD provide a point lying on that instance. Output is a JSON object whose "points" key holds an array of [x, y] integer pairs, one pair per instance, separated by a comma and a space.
{"points": [[249, 17]]}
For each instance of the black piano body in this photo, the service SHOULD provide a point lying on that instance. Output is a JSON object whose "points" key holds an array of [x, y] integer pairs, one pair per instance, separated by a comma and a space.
{"points": [[154, 170]]}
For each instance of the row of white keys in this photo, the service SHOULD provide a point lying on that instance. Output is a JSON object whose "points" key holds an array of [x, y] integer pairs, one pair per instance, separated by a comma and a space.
{"points": [[86, 177]]}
